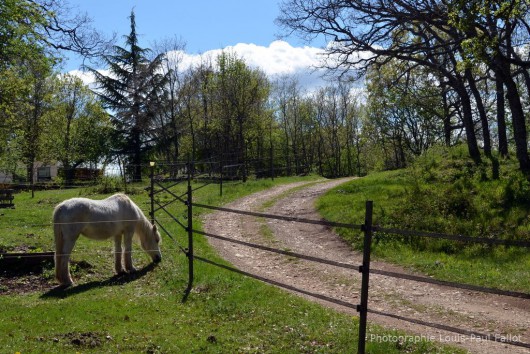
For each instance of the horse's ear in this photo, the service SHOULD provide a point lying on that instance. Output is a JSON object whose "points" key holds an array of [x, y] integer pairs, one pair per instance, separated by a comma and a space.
{"points": [[154, 228]]}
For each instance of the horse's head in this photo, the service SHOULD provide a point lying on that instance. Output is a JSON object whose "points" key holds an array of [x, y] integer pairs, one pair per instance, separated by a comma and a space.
{"points": [[150, 244]]}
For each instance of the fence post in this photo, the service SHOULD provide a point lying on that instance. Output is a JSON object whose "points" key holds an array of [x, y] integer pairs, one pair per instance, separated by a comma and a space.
{"points": [[221, 181], [152, 192], [365, 270], [189, 203]]}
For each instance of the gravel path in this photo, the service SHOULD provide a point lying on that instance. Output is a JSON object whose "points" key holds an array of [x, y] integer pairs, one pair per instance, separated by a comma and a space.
{"points": [[484, 313]]}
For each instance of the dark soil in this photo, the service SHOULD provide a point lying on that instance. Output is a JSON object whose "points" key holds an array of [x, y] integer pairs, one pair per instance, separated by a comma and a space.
{"points": [[27, 275], [79, 340], [23, 284], [19, 276]]}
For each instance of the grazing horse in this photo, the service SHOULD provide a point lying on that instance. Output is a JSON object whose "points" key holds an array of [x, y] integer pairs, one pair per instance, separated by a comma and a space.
{"points": [[117, 217]]}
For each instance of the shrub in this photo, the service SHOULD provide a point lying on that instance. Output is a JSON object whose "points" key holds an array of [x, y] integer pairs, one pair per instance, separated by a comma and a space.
{"points": [[447, 192], [108, 184]]}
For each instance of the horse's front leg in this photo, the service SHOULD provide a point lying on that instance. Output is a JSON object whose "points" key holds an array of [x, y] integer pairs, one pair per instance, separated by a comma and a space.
{"points": [[117, 254], [127, 240]]}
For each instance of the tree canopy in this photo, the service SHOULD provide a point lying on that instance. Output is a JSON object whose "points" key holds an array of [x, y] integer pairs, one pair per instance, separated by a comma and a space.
{"points": [[409, 75], [451, 38]]}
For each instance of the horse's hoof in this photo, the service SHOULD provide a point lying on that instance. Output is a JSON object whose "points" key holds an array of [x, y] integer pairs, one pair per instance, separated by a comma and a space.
{"points": [[64, 286], [131, 270]]}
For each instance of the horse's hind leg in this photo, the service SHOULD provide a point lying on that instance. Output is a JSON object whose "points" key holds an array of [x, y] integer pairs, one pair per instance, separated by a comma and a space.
{"points": [[64, 244], [117, 255], [127, 240]]}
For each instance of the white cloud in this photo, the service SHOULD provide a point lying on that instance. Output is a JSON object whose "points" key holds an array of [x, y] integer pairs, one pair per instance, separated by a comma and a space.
{"points": [[278, 59], [85, 76]]}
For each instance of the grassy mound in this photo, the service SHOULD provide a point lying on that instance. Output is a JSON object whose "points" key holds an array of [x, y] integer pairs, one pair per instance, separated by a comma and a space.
{"points": [[444, 191]]}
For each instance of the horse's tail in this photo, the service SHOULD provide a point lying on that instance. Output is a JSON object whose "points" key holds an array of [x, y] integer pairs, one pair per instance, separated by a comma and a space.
{"points": [[59, 248], [59, 241]]}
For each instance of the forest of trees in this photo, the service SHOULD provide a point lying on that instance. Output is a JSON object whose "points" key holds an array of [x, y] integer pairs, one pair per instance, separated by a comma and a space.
{"points": [[437, 68], [432, 72]]}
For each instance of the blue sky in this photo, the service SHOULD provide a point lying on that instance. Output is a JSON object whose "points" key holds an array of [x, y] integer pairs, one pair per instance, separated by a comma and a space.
{"points": [[243, 27], [202, 24]]}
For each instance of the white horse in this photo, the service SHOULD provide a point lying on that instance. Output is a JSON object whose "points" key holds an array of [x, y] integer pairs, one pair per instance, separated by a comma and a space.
{"points": [[117, 217]]}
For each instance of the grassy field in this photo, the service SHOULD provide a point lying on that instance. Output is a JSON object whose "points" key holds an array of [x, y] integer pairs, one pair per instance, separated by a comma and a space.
{"points": [[443, 192], [144, 313]]}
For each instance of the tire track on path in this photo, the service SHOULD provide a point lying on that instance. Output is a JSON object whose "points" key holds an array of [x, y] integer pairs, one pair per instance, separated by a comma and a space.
{"points": [[485, 313]]}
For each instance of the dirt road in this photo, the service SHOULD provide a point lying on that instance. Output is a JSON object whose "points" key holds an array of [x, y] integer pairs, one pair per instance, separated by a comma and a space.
{"points": [[494, 315]]}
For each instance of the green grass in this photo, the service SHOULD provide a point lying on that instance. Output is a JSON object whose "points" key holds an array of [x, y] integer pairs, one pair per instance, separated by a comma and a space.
{"points": [[443, 192], [225, 312]]}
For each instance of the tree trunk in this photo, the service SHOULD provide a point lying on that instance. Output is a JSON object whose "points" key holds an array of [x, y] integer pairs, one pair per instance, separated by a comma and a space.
{"points": [[482, 112], [501, 116], [518, 118], [467, 118], [137, 155], [446, 117]]}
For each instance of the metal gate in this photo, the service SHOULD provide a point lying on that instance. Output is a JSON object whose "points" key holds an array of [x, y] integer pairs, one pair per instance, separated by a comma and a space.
{"points": [[177, 182]]}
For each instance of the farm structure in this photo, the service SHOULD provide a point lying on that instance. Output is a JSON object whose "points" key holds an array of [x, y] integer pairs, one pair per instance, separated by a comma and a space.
{"points": [[41, 172], [6, 198], [49, 172], [163, 187]]}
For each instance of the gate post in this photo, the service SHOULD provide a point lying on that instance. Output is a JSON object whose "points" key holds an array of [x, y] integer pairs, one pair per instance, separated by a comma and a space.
{"points": [[365, 270], [152, 192], [221, 180], [189, 229]]}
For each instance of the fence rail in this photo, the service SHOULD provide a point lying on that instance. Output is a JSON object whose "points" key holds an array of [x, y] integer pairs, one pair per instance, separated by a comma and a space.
{"points": [[461, 238], [451, 284], [367, 228], [280, 217], [279, 284]]}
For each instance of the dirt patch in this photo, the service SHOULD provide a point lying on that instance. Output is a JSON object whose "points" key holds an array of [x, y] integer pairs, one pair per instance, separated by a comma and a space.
{"points": [[29, 274], [493, 315], [79, 340], [85, 339], [23, 284], [23, 275]]}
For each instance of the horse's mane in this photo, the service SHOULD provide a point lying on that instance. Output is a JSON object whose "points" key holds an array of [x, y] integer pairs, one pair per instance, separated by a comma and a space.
{"points": [[143, 226]]}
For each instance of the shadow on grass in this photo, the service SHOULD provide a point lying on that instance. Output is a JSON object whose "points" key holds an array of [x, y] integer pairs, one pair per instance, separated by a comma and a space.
{"points": [[60, 292]]}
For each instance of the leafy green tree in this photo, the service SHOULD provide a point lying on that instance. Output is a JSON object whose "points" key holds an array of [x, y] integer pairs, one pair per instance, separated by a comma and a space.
{"points": [[493, 31], [32, 35], [78, 128], [449, 37], [28, 131], [241, 95], [50, 25], [406, 111], [18, 49]]}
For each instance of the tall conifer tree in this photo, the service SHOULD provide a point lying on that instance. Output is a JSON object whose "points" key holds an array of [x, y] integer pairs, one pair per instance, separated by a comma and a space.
{"points": [[130, 91]]}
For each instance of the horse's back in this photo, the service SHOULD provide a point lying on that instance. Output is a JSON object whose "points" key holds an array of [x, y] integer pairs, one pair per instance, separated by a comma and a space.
{"points": [[82, 208], [96, 218], [74, 208]]}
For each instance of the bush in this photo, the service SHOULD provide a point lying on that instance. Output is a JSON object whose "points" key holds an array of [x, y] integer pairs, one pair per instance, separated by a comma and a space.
{"points": [[516, 191], [447, 192], [108, 184]]}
